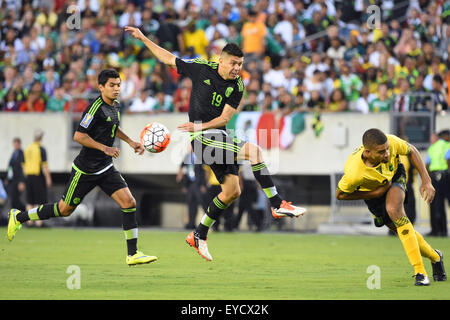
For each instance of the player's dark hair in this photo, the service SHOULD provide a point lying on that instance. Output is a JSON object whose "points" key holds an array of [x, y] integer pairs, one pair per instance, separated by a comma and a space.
{"points": [[233, 49], [106, 74], [373, 137]]}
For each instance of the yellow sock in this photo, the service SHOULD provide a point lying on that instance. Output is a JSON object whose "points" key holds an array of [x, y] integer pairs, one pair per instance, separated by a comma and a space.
{"points": [[426, 250], [407, 235]]}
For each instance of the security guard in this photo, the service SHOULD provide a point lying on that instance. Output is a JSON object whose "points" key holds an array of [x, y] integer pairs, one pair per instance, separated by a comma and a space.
{"points": [[437, 165]]}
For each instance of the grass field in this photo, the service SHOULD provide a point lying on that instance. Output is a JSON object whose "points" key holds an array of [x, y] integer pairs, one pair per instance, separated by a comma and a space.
{"points": [[248, 266]]}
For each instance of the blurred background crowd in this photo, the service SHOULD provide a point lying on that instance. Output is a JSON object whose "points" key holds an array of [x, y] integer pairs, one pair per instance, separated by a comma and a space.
{"points": [[300, 55]]}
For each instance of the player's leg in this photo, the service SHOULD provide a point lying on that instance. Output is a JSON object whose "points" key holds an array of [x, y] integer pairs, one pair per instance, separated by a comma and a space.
{"points": [[115, 186], [230, 192], [76, 188], [280, 207], [405, 230]]}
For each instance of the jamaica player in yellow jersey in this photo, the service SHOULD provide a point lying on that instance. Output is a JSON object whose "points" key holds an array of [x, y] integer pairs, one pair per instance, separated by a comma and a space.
{"points": [[375, 174]]}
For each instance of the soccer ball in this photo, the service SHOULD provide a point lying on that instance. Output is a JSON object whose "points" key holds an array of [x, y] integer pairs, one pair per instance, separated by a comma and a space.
{"points": [[155, 137]]}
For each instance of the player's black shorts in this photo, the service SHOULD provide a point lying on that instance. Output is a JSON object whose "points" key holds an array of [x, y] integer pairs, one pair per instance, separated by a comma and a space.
{"points": [[377, 206], [219, 150], [36, 189], [80, 184]]}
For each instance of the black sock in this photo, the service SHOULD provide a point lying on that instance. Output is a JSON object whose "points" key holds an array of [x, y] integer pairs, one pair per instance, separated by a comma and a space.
{"points": [[130, 229], [264, 178], [215, 209], [43, 212]]}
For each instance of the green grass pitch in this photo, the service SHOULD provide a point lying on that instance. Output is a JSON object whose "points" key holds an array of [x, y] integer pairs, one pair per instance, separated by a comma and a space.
{"points": [[249, 266]]}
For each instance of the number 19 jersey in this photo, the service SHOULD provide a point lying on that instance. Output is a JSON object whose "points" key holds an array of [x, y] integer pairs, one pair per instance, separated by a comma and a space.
{"points": [[210, 92]]}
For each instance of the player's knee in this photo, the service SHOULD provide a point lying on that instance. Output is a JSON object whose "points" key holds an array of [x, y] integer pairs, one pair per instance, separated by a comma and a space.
{"points": [[254, 152], [65, 210], [130, 202], [233, 194], [395, 212]]}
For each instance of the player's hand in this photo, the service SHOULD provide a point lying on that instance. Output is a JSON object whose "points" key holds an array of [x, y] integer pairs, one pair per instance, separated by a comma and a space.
{"points": [[190, 127], [135, 32], [427, 192], [112, 151], [138, 147]]}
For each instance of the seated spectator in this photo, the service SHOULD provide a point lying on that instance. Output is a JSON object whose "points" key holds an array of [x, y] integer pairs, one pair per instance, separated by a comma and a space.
{"points": [[251, 103], [34, 102], [316, 103], [144, 103], [337, 102], [382, 103], [58, 103], [362, 104], [439, 94], [182, 96], [163, 103], [402, 99], [10, 102]]}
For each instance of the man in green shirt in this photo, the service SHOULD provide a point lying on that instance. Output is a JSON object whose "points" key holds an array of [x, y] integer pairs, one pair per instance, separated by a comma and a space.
{"points": [[382, 103]]}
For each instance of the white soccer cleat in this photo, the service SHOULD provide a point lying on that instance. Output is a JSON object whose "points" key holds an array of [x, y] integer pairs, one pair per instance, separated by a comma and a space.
{"points": [[286, 209], [199, 245]]}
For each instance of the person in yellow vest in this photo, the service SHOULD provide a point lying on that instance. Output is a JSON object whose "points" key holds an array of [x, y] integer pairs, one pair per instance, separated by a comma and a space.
{"points": [[374, 173], [437, 165], [37, 173]]}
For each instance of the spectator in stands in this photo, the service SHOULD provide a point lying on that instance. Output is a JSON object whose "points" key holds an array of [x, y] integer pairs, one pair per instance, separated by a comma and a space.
{"points": [[382, 103], [182, 96], [196, 38], [439, 94], [253, 37], [10, 102], [337, 102], [34, 102], [350, 84], [144, 103], [58, 102], [402, 99], [251, 102], [163, 103]]}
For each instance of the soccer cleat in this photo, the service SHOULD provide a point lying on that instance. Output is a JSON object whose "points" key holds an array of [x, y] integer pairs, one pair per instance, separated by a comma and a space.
{"points": [[421, 280], [287, 210], [438, 268], [139, 258], [13, 224], [199, 245]]}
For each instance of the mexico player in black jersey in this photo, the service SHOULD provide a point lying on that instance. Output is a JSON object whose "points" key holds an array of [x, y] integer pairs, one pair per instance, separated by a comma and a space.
{"points": [[216, 93], [94, 167]]}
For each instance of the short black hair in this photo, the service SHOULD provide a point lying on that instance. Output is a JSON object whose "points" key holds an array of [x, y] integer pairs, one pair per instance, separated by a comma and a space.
{"points": [[233, 49], [438, 79], [106, 74], [373, 137]]}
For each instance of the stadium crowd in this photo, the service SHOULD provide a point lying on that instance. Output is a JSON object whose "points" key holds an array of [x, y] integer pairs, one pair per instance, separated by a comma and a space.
{"points": [[300, 55]]}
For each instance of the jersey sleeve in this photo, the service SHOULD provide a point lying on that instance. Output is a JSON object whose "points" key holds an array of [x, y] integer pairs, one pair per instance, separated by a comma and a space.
{"points": [[235, 98], [188, 67], [348, 183], [88, 120], [400, 146]]}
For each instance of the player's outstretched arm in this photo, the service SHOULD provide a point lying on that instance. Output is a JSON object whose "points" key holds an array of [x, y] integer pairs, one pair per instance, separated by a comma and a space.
{"points": [[86, 141], [137, 146], [218, 122], [162, 54], [426, 189]]}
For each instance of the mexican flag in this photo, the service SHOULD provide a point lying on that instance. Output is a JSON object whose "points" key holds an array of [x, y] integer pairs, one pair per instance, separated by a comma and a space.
{"points": [[266, 129]]}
